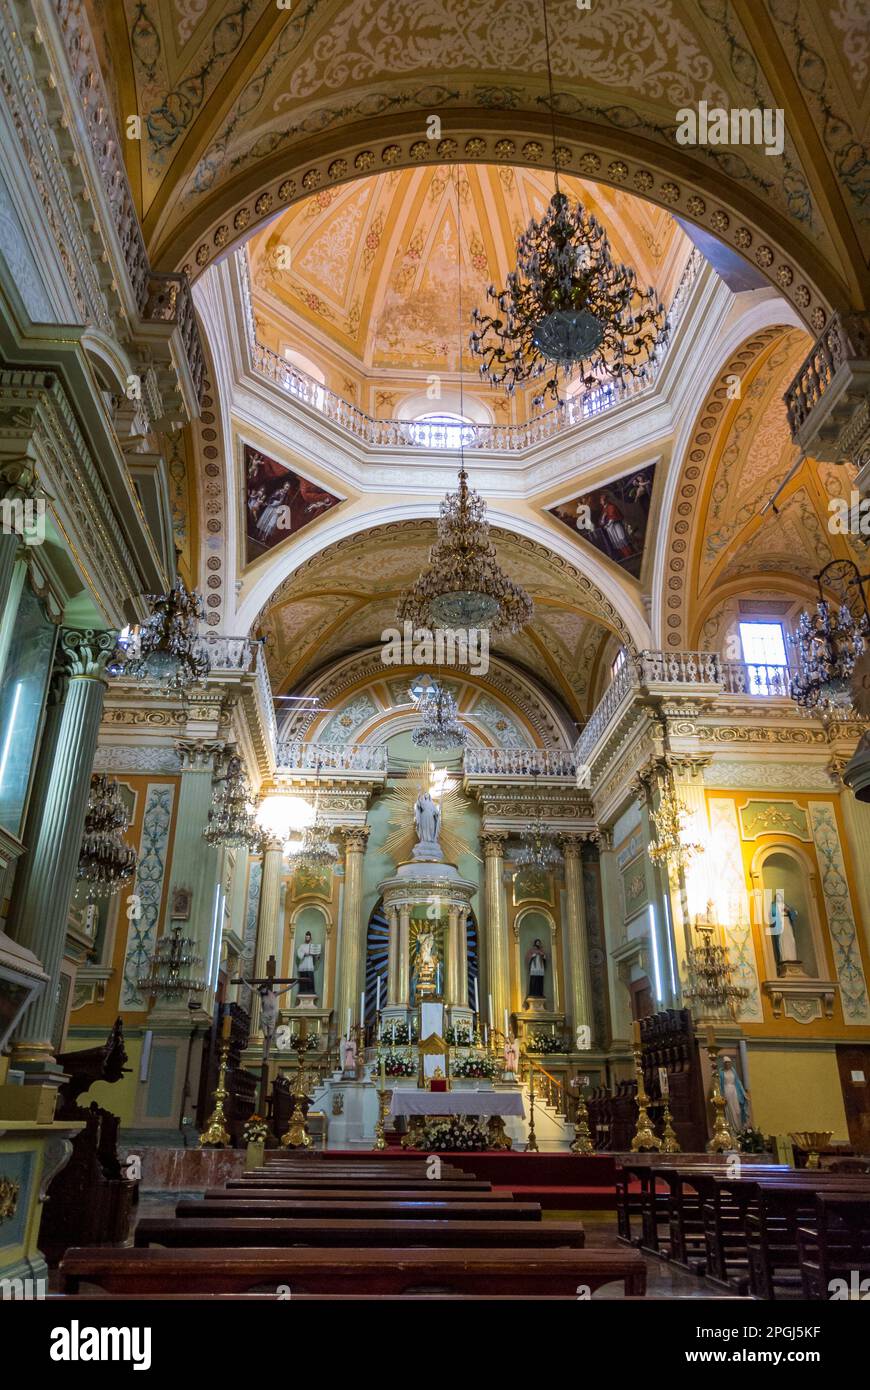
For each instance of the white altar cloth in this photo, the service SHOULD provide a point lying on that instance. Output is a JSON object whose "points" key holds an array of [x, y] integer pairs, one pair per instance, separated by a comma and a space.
{"points": [[410, 1102]]}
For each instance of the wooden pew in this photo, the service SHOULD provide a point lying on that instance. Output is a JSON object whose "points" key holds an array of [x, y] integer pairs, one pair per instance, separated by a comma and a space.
{"points": [[304, 1230], [387, 1271], [410, 1210], [457, 1184], [432, 1191], [836, 1247], [773, 1223]]}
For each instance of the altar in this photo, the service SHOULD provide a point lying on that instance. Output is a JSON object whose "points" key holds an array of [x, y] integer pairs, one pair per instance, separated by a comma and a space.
{"points": [[419, 1102]]}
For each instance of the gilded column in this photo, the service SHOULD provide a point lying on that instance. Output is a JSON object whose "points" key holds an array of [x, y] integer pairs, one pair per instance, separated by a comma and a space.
{"points": [[578, 986], [451, 992], [46, 876], [393, 956], [404, 959], [350, 956], [267, 918], [498, 947], [461, 994]]}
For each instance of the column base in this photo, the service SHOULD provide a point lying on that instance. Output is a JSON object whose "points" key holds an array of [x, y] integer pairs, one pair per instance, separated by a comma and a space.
{"points": [[37, 1062]]}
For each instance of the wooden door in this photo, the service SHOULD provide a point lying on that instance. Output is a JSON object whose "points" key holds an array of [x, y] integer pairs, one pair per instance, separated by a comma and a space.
{"points": [[854, 1065]]}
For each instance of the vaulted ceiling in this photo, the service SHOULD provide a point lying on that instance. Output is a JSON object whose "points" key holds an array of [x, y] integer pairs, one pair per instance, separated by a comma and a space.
{"points": [[233, 91], [365, 277]]}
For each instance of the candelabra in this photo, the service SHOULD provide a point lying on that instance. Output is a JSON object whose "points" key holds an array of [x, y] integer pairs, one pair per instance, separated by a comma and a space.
{"points": [[172, 968], [582, 1142], [216, 1132], [722, 1141], [166, 648], [710, 977], [645, 1139], [232, 818]]}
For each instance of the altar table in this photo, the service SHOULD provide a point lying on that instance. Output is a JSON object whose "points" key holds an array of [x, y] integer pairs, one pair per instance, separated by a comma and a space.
{"points": [[409, 1102]]}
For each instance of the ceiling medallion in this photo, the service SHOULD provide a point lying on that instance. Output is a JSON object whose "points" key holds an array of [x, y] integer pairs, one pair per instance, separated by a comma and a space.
{"points": [[464, 585], [568, 303], [439, 726]]}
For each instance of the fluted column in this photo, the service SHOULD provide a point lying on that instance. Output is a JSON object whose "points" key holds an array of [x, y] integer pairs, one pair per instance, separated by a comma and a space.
{"points": [[498, 946], [404, 961], [352, 929], [461, 989], [578, 988], [267, 918], [392, 956], [45, 879]]}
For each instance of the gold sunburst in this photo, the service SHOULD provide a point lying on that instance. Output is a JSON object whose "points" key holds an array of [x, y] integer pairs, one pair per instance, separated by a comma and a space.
{"points": [[400, 801]]}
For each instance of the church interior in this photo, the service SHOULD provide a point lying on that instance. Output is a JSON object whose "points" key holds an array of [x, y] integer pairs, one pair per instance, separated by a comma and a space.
{"points": [[434, 650]]}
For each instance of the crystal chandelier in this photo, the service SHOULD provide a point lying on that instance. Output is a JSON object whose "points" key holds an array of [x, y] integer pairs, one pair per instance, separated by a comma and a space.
{"points": [[671, 846], [464, 585], [174, 969], [166, 648], [829, 643], [710, 977], [568, 303], [538, 848], [232, 819], [315, 850], [105, 861], [439, 726]]}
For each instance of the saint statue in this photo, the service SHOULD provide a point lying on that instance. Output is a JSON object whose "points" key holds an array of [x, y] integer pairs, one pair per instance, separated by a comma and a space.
{"points": [[511, 1055], [427, 819], [734, 1095], [348, 1055], [536, 962], [425, 980], [306, 964], [782, 924]]}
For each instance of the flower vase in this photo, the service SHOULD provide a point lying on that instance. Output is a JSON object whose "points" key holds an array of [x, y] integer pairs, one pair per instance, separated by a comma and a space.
{"points": [[254, 1152]]}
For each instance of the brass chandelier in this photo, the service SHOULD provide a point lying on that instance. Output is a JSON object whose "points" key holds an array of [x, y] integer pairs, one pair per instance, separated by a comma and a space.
{"points": [[166, 648], [711, 990], [315, 851], [106, 863], [671, 846], [568, 304], [174, 969], [830, 642], [538, 848], [439, 726], [464, 586], [232, 818]]}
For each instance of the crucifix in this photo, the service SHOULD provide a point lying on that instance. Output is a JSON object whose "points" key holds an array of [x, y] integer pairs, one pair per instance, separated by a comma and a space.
{"points": [[265, 988]]}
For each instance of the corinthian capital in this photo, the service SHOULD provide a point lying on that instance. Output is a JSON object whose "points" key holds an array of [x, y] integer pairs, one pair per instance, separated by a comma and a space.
{"points": [[199, 755], [493, 843], [18, 479], [355, 838], [84, 654]]}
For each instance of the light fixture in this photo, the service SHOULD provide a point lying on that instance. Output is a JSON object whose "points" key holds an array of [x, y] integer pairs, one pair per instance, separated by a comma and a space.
{"points": [[167, 647], [829, 643], [278, 815], [568, 303], [106, 863], [538, 847], [672, 847], [710, 989], [315, 851], [231, 818], [464, 586], [174, 969], [439, 726]]}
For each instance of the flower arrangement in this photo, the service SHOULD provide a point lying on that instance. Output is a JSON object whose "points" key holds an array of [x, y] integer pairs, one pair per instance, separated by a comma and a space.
{"points": [[397, 1065], [399, 1033], [544, 1043], [751, 1141], [460, 1035], [255, 1130], [463, 1132], [475, 1066]]}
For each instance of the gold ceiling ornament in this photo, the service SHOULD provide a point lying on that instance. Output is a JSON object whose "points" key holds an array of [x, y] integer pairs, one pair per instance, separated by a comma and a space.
{"points": [[672, 847], [400, 801], [464, 586]]}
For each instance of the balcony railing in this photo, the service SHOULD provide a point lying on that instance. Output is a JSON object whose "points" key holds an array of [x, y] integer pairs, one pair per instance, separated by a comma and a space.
{"points": [[295, 755], [650, 668], [845, 338], [429, 435], [519, 762]]}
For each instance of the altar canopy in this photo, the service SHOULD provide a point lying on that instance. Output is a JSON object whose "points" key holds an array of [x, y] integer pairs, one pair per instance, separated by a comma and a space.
{"points": [[457, 1103]]}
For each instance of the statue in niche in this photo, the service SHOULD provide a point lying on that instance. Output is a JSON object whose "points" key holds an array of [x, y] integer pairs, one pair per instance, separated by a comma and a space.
{"points": [[306, 963], [783, 920], [536, 964], [735, 1096], [427, 967], [427, 819]]}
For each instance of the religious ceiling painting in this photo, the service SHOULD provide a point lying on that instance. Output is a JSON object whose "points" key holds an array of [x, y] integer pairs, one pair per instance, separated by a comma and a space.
{"points": [[613, 518], [278, 503]]}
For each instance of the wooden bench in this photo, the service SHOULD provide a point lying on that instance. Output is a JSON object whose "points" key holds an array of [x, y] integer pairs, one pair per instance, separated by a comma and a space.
{"points": [[464, 1184], [408, 1210], [304, 1230], [433, 1190], [836, 1247], [387, 1271]]}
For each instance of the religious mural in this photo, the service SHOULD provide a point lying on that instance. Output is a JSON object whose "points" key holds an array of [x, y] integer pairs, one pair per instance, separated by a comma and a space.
{"points": [[278, 503], [613, 518]]}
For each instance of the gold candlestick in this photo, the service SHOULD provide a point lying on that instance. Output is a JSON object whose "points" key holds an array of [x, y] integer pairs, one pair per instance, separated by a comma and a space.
{"points": [[723, 1140], [644, 1136], [670, 1143], [297, 1136], [216, 1131], [582, 1143], [532, 1143]]}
